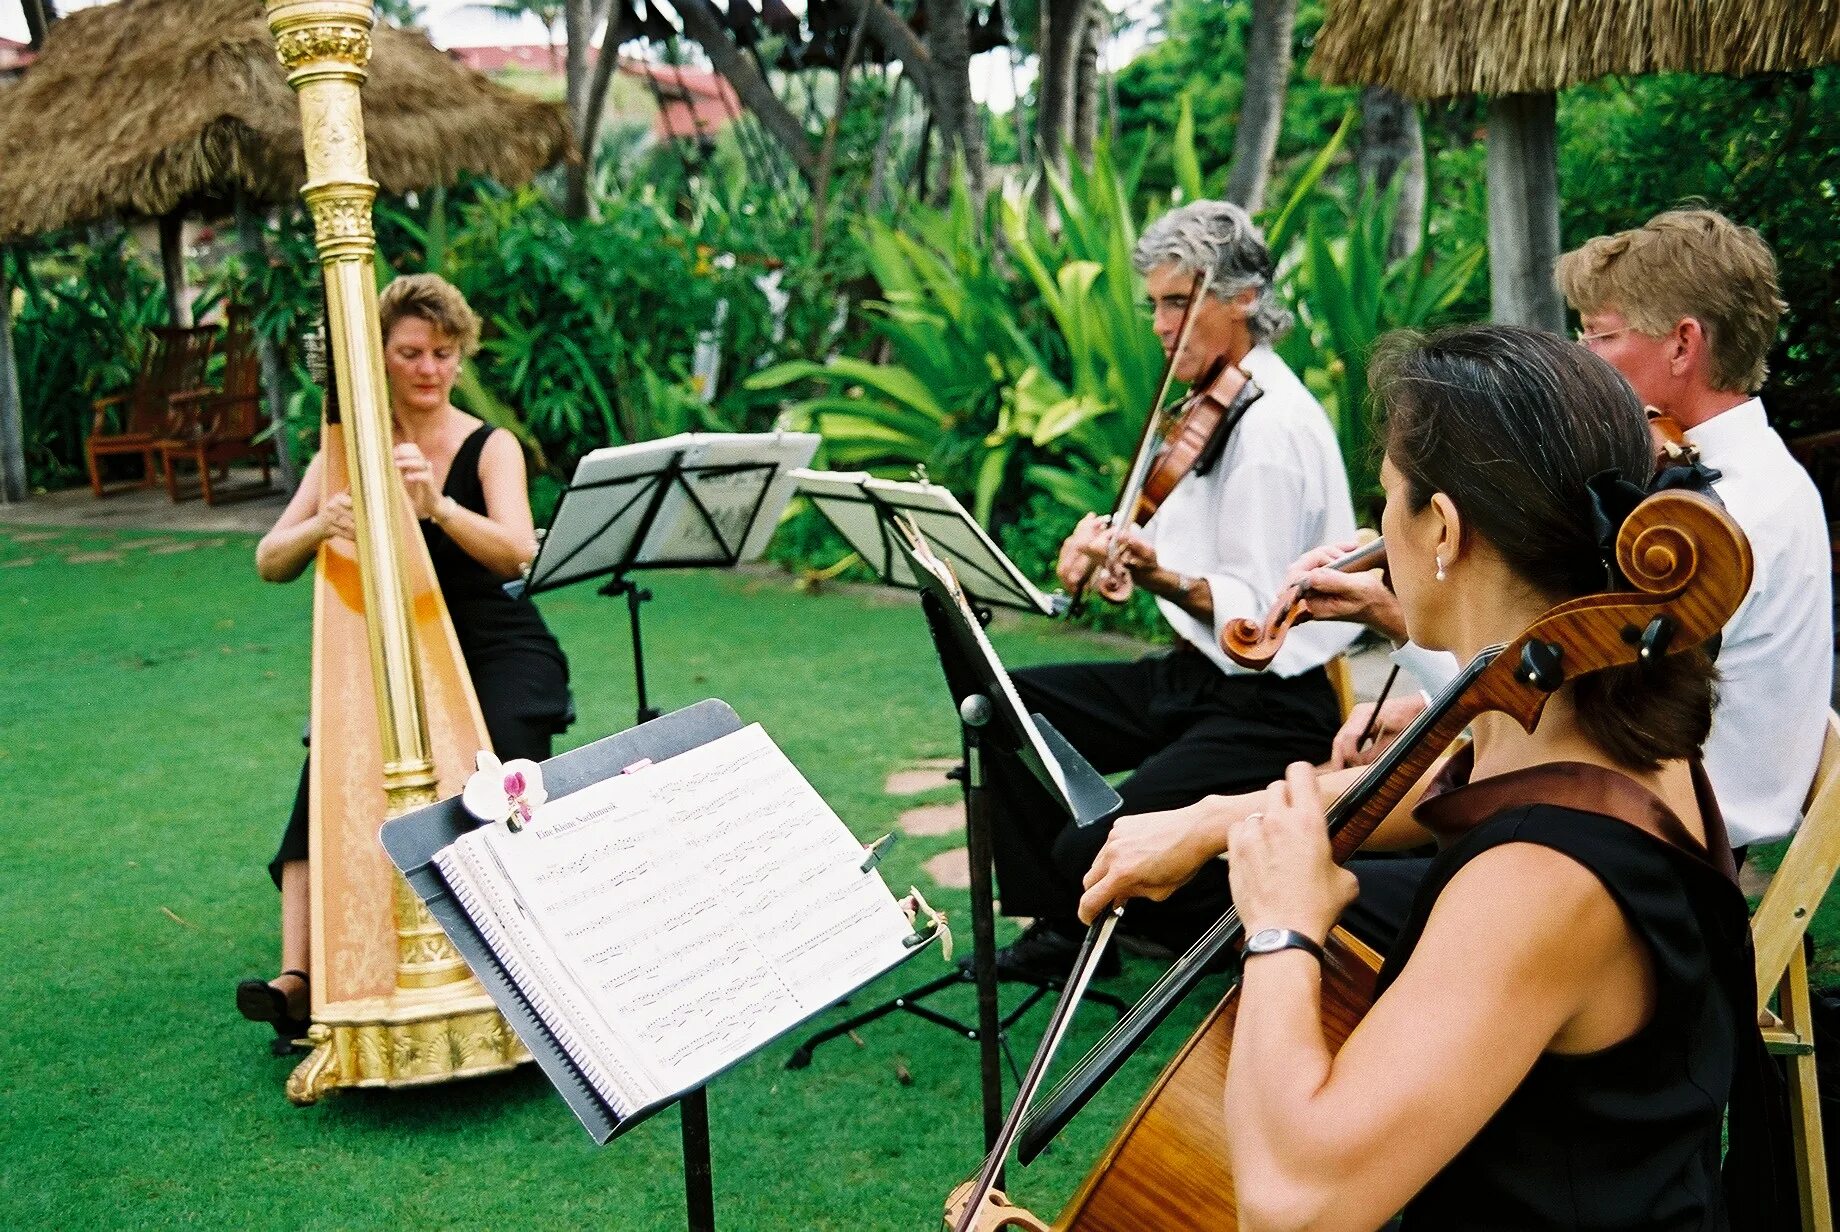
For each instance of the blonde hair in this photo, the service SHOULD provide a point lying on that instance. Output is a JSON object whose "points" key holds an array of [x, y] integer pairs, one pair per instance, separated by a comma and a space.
{"points": [[1685, 263], [431, 298]]}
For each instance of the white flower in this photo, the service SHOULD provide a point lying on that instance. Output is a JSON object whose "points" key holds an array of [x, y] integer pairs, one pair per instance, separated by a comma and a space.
{"points": [[504, 791]]}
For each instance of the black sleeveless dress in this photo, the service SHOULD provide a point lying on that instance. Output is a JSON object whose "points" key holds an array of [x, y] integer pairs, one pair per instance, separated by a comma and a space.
{"points": [[1628, 1137], [519, 671]]}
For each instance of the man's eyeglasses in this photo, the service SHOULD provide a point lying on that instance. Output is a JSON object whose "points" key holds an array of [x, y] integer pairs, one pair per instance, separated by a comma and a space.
{"points": [[1588, 339]]}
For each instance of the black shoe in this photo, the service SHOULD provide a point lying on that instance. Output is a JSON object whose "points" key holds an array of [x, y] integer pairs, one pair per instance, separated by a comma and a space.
{"points": [[286, 1011], [1045, 955]]}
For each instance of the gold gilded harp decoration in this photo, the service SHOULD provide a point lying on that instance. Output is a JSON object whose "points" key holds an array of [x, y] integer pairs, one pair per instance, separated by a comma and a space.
{"points": [[395, 720]]}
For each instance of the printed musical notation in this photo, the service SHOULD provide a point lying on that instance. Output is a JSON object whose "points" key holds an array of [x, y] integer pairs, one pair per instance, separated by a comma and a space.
{"points": [[696, 908]]}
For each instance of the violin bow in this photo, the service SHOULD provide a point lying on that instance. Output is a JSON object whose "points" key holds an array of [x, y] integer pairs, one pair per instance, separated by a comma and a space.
{"points": [[1146, 441], [1091, 950], [1689, 566]]}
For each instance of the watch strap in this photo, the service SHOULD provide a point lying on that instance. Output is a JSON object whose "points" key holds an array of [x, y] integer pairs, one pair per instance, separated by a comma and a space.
{"points": [[1274, 940]]}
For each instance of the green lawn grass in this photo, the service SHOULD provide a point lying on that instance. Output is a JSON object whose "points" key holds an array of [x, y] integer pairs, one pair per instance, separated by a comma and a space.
{"points": [[149, 743]]}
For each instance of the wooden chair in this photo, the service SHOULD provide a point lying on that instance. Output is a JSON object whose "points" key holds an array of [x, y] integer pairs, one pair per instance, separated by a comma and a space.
{"points": [[1341, 679], [1777, 929], [217, 427], [174, 364]]}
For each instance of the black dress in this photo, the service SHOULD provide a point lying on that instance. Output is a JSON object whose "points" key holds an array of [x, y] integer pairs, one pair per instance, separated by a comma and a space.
{"points": [[519, 672], [1627, 1137]]}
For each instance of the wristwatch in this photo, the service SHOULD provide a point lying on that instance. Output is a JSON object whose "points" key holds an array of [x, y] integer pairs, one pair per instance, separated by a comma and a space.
{"points": [[1271, 940]]}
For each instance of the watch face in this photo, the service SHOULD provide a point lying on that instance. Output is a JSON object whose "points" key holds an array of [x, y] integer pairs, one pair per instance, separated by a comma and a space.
{"points": [[1265, 940]]}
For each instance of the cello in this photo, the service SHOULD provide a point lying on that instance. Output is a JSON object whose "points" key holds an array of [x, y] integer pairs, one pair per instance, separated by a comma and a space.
{"points": [[1689, 567]]}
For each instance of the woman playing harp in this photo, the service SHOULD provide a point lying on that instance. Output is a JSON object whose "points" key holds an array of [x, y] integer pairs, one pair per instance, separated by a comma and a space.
{"points": [[465, 481]]}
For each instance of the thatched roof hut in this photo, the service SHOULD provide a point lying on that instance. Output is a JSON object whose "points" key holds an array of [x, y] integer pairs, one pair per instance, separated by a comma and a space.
{"points": [[150, 107], [1520, 53], [1430, 49]]}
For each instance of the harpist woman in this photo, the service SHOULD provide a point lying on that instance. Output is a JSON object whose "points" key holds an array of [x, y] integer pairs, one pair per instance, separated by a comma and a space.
{"points": [[466, 482]]}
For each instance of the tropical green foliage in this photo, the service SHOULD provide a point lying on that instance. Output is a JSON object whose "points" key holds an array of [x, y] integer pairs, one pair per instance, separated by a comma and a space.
{"points": [[1347, 294], [996, 384], [80, 315]]}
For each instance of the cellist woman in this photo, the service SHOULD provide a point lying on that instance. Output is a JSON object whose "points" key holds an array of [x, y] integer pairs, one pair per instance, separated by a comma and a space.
{"points": [[466, 483], [1561, 1024]]}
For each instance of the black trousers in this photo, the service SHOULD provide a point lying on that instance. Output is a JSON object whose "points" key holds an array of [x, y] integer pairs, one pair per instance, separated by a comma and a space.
{"points": [[1185, 730]]}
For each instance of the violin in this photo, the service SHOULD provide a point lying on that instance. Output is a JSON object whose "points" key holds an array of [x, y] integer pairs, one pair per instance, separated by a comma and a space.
{"points": [[1690, 567], [1188, 438], [1254, 644]]}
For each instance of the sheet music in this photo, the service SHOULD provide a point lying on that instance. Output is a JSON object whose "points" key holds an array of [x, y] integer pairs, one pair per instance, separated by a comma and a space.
{"points": [[857, 503], [701, 906], [742, 480]]}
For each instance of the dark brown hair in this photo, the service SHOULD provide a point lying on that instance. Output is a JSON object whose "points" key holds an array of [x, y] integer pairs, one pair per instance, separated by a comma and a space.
{"points": [[1511, 424]]}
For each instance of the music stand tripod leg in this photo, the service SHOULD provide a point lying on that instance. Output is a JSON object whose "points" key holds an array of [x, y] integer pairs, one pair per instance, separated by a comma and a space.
{"points": [[699, 1181], [974, 713], [635, 595]]}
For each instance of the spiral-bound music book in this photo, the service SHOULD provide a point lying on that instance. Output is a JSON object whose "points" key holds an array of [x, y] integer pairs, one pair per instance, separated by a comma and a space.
{"points": [[655, 924]]}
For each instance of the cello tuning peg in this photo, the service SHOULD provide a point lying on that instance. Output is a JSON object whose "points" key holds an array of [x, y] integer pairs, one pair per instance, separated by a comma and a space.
{"points": [[1540, 666]]}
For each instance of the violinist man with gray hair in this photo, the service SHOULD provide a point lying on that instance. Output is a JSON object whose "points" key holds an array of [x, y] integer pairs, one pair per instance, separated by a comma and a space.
{"points": [[1267, 485]]}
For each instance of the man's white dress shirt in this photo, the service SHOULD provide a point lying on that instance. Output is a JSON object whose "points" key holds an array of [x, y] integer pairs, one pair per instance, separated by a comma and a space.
{"points": [[1776, 660], [1277, 491]]}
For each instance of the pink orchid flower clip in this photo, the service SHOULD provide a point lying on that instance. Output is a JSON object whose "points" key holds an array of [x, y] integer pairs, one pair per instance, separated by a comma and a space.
{"points": [[509, 791]]}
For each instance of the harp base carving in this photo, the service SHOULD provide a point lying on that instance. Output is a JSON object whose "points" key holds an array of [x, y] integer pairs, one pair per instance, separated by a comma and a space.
{"points": [[411, 1039]]}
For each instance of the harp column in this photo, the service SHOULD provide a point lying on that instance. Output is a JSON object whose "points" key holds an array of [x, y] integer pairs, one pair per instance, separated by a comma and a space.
{"points": [[439, 1024]]}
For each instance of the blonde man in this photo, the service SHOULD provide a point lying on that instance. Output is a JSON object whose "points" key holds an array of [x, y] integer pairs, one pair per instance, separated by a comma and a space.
{"points": [[1685, 307]]}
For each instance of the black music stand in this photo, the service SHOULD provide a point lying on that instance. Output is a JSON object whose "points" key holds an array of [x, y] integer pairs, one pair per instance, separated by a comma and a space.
{"points": [[694, 501], [863, 507], [992, 723], [412, 842]]}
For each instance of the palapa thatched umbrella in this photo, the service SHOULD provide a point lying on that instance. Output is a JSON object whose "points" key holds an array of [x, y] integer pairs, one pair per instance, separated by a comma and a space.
{"points": [[163, 108], [1520, 53], [150, 107]]}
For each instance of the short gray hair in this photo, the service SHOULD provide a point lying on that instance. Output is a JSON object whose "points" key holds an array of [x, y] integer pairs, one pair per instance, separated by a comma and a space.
{"points": [[1220, 235]]}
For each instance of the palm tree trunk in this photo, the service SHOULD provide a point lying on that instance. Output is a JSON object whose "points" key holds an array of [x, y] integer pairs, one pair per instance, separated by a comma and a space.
{"points": [[1061, 24], [172, 267], [12, 415], [960, 124], [608, 15], [1524, 211], [576, 33], [704, 24], [1261, 108], [1086, 84], [1393, 143], [39, 16]]}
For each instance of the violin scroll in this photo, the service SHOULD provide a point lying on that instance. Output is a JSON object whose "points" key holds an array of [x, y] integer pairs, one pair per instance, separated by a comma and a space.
{"points": [[1253, 644]]}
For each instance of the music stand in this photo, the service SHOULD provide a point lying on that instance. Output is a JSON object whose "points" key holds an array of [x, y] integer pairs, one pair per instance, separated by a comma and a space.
{"points": [[992, 723], [863, 507], [692, 501], [412, 842]]}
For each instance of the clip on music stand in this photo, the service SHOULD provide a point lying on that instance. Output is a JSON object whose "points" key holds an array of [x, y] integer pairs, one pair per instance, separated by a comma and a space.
{"points": [[412, 842], [992, 723], [691, 501]]}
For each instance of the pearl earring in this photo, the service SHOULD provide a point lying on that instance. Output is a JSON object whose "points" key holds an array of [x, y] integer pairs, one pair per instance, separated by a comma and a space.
{"points": [[1440, 569]]}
